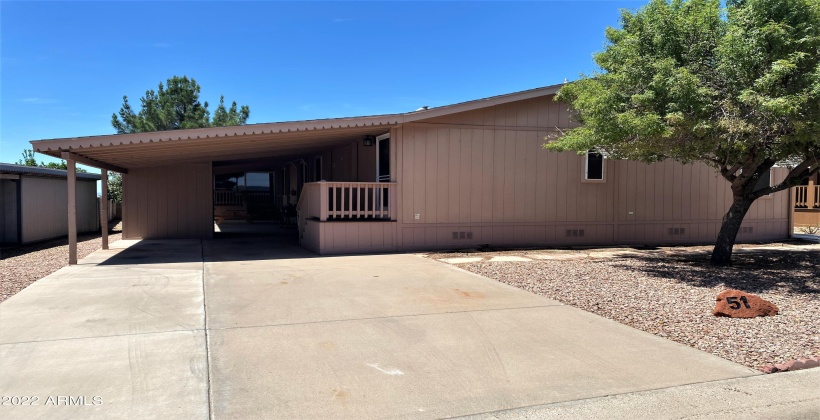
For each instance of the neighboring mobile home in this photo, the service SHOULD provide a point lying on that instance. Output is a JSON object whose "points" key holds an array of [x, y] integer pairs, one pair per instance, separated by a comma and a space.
{"points": [[807, 203], [455, 176], [33, 202]]}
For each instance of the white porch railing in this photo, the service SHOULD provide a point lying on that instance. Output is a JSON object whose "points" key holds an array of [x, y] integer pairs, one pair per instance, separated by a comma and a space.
{"points": [[234, 198], [227, 198], [348, 201], [817, 196], [807, 196]]}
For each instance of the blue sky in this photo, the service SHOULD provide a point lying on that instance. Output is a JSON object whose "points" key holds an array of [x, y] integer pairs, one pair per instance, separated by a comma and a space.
{"points": [[66, 65]]}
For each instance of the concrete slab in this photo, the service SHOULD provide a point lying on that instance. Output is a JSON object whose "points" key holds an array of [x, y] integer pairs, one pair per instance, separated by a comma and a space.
{"points": [[558, 256], [462, 260], [440, 365], [131, 335], [350, 288], [509, 258], [290, 334], [131, 376], [103, 301], [789, 395]]}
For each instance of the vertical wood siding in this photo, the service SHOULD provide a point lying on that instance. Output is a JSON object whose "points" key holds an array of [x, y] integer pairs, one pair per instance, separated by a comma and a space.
{"points": [[350, 237], [485, 174], [366, 163], [44, 204], [168, 202], [8, 218]]}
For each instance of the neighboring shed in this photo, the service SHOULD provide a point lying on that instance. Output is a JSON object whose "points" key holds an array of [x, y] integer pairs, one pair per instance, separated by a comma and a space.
{"points": [[33, 202]]}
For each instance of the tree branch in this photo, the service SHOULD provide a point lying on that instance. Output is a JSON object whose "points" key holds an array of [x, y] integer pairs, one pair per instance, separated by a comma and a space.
{"points": [[794, 177]]}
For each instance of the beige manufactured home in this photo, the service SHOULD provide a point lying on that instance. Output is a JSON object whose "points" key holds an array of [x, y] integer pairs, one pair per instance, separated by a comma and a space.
{"points": [[449, 177], [807, 203], [33, 203]]}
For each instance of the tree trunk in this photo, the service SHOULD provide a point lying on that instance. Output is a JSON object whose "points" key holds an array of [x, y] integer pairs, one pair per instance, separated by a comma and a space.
{"points": [[722, 254]]}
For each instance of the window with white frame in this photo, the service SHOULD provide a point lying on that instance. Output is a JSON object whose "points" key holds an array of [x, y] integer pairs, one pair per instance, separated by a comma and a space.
{"points": [[594, 166]]}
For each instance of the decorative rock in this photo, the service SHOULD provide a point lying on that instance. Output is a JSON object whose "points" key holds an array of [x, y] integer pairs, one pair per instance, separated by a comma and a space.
{"points": [[792, 365], [739, 304]]}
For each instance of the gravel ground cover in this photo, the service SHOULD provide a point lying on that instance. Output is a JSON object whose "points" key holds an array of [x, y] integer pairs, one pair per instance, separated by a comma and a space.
{"points": [[671, 292], [22, 265]]}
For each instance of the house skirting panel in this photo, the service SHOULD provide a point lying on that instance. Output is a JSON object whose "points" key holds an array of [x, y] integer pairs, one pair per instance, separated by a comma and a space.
{"points": [[806, 217], [455, 236], [327, 238]]}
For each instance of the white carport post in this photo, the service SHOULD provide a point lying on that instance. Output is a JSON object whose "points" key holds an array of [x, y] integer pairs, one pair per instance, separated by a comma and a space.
{"points": [[72, 211], [104, 208]]}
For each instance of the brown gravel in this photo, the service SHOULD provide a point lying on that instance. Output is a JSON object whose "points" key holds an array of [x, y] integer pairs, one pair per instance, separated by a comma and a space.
{"points": [[21, 266], [671, 292]]}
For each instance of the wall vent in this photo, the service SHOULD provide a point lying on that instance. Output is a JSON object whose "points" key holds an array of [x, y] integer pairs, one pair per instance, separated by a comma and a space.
{"points": [[462, 235], [575, 233], [677, 231], [746, 230]]}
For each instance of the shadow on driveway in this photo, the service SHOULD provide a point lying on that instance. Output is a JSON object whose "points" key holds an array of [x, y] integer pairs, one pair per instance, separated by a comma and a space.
{"points": [[267, 244]]}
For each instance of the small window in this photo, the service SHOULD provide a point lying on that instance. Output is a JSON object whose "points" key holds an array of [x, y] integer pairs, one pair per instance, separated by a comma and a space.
{"points": [[594, 167], [257, 181], [231, 182]]}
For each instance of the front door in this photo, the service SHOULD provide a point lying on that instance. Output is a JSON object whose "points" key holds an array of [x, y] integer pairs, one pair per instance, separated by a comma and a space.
{"points": [[383, 158], [382, 167]]}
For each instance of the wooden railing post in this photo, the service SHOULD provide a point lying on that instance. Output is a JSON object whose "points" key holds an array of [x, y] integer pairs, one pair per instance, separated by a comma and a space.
{"points": [[817, 196], [811, 196], [323, 202], [393, 211]]}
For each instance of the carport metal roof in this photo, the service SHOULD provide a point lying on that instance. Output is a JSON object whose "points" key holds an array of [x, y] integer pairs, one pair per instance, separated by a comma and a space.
{"points": [[120, 152], [8, 168]]}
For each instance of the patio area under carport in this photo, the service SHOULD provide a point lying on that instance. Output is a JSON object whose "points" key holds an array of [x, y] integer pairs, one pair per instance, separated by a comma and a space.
{"points": [[168, 177], [245, 327]]}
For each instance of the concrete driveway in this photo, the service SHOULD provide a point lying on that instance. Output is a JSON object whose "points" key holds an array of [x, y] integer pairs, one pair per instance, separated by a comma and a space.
{"points": [[253, 328]]}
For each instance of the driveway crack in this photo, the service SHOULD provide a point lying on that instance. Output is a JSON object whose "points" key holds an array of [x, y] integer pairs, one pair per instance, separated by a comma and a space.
{"points": [[207, 338]]}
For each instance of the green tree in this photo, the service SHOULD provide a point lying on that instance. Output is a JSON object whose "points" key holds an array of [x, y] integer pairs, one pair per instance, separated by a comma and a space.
{"points": [[231, 116], [29, 160], [736, 88], [173, 106], [115, 187]]}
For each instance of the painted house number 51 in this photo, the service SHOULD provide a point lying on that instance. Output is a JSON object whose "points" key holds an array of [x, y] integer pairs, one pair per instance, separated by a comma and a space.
{"points": [[735, 304]]}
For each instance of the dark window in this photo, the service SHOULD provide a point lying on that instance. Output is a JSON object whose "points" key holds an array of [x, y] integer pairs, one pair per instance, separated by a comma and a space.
{"points": [[232, 182], [317, 169], [384, 160], [257, 181], [765, 181], [594, 166]]}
